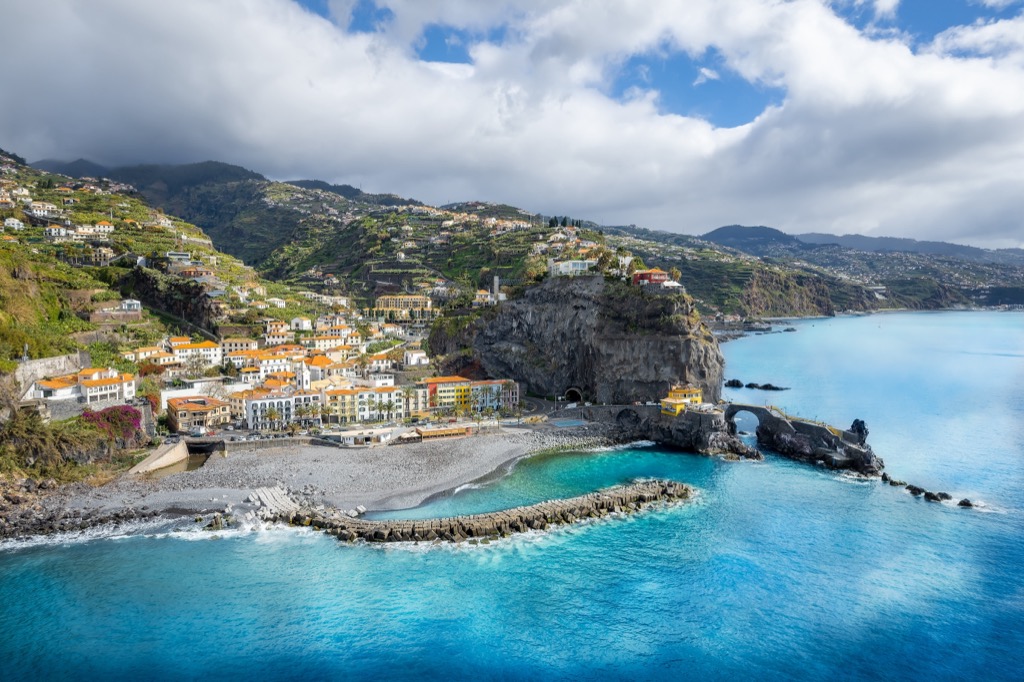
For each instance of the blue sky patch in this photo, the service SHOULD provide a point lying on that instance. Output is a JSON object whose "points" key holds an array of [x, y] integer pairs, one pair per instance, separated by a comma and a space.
{"points": [[367, 17], [701, 87], [442, 43], [922, 20]]}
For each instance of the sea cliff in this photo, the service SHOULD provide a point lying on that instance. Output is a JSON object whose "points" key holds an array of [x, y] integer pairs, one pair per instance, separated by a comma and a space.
{"points": [[611, 342]]}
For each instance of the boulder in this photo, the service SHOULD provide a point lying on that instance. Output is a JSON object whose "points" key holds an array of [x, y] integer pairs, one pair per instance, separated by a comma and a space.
{"points": [[965, 503]]}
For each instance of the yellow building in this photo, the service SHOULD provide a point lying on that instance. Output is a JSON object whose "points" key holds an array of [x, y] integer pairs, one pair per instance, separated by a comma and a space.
{"points": [[404, 302], [679, 397], [453, 391]]}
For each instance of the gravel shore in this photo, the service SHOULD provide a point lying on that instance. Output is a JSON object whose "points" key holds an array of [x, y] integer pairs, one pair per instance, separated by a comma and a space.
{"points": [[378, 478]]}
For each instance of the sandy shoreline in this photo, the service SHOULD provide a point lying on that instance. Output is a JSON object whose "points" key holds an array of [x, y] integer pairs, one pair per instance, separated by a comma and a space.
{"points": [[378, 478]]}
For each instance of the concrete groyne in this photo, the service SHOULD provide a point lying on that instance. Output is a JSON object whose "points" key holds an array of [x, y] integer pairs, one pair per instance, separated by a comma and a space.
{"points": [[541, 516]]}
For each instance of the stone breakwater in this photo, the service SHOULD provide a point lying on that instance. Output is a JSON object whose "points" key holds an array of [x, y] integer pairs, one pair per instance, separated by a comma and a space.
{"points": [[623, 499]]}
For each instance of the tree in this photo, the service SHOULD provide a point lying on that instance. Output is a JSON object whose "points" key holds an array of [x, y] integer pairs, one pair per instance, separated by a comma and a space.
{"points": [[605, 260], [363, 362], [407, 394], [273, 416], [674, 274], [195, 366], [565, 222]]}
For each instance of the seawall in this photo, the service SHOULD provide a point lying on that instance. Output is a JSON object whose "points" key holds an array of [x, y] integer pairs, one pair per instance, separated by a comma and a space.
{"points": [[164, 456], [622, 499]]}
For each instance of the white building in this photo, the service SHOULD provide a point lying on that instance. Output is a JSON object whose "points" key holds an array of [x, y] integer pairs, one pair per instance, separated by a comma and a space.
{"points": [[237, 344], [415, 358], [93, 384], [209, 352], [569, 268], [279, 409]]}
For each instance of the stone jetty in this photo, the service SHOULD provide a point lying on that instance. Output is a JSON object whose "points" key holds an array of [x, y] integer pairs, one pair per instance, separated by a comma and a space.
{"points": [[621, 499]]}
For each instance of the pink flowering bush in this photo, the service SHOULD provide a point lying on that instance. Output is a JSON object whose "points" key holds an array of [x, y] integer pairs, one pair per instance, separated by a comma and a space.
{"points": [[121, 422]]}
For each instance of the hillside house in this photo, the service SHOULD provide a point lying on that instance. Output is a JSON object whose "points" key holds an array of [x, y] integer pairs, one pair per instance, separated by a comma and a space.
{"points": [[652, 276], [194, 412]]}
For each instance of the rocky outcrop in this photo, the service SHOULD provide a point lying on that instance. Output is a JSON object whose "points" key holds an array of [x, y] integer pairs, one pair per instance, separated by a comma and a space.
{"points": [[705, 433], [24, 512], [180, 297], [611, 342], [815, 443]]}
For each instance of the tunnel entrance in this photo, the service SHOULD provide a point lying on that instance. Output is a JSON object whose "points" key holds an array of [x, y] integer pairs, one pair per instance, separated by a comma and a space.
{"points": [[574, 395]]}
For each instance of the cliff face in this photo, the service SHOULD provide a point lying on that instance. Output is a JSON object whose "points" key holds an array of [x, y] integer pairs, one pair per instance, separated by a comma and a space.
{"points": [[181, 297], [611, 341]]}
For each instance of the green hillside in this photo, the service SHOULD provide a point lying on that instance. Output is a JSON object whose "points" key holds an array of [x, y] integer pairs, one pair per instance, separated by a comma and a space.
{"points": [[52, 285]]}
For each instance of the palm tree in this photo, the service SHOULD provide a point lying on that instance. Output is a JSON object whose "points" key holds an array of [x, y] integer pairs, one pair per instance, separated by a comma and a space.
{"points": [[507, 387], [407, 393], [389, 407], [273, 415]]}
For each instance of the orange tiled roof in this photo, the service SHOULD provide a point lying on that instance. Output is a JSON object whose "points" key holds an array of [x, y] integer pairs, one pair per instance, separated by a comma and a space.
{"points": [[119, 379], [195, 403]]}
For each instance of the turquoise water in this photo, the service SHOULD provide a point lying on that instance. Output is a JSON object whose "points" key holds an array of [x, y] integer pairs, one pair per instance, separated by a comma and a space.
{"points": [[777, 571]]}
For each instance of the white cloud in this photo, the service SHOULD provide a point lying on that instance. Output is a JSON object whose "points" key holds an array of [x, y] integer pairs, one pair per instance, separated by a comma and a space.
{"points": [[871, 136], [886, 8], [705, 74], [998, 4], [1002, 40], [882, 9]]}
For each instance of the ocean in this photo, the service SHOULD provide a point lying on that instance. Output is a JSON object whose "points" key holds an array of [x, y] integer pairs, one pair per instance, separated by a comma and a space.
{"points": [[776, 571]]}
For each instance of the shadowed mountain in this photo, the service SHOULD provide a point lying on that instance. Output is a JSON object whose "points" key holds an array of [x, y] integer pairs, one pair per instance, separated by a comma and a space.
{"points": [[80, 168], [757, 241], [355, 194], [884, 244]]}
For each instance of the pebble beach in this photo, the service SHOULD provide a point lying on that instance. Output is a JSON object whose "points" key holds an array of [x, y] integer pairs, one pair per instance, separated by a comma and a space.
{"points": [[383, 477]]}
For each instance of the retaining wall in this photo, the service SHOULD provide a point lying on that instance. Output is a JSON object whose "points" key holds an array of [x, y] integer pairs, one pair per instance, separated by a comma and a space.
{"points": [[163, 456]]}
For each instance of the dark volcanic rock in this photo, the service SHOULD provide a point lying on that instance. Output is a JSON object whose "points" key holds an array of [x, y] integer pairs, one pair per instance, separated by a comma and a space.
{"points": [[705, 433], [734, 383], [915, 490], [763, 387], [772, 387], [815, 443], [610, 341], [965, 503]]}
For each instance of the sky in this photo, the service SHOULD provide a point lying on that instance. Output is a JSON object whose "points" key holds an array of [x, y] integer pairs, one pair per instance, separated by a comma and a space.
{"points": [[880, 117]]}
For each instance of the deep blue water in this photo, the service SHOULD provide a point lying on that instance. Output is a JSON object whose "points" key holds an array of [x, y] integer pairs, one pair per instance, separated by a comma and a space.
{"points": [[777, 571]]}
